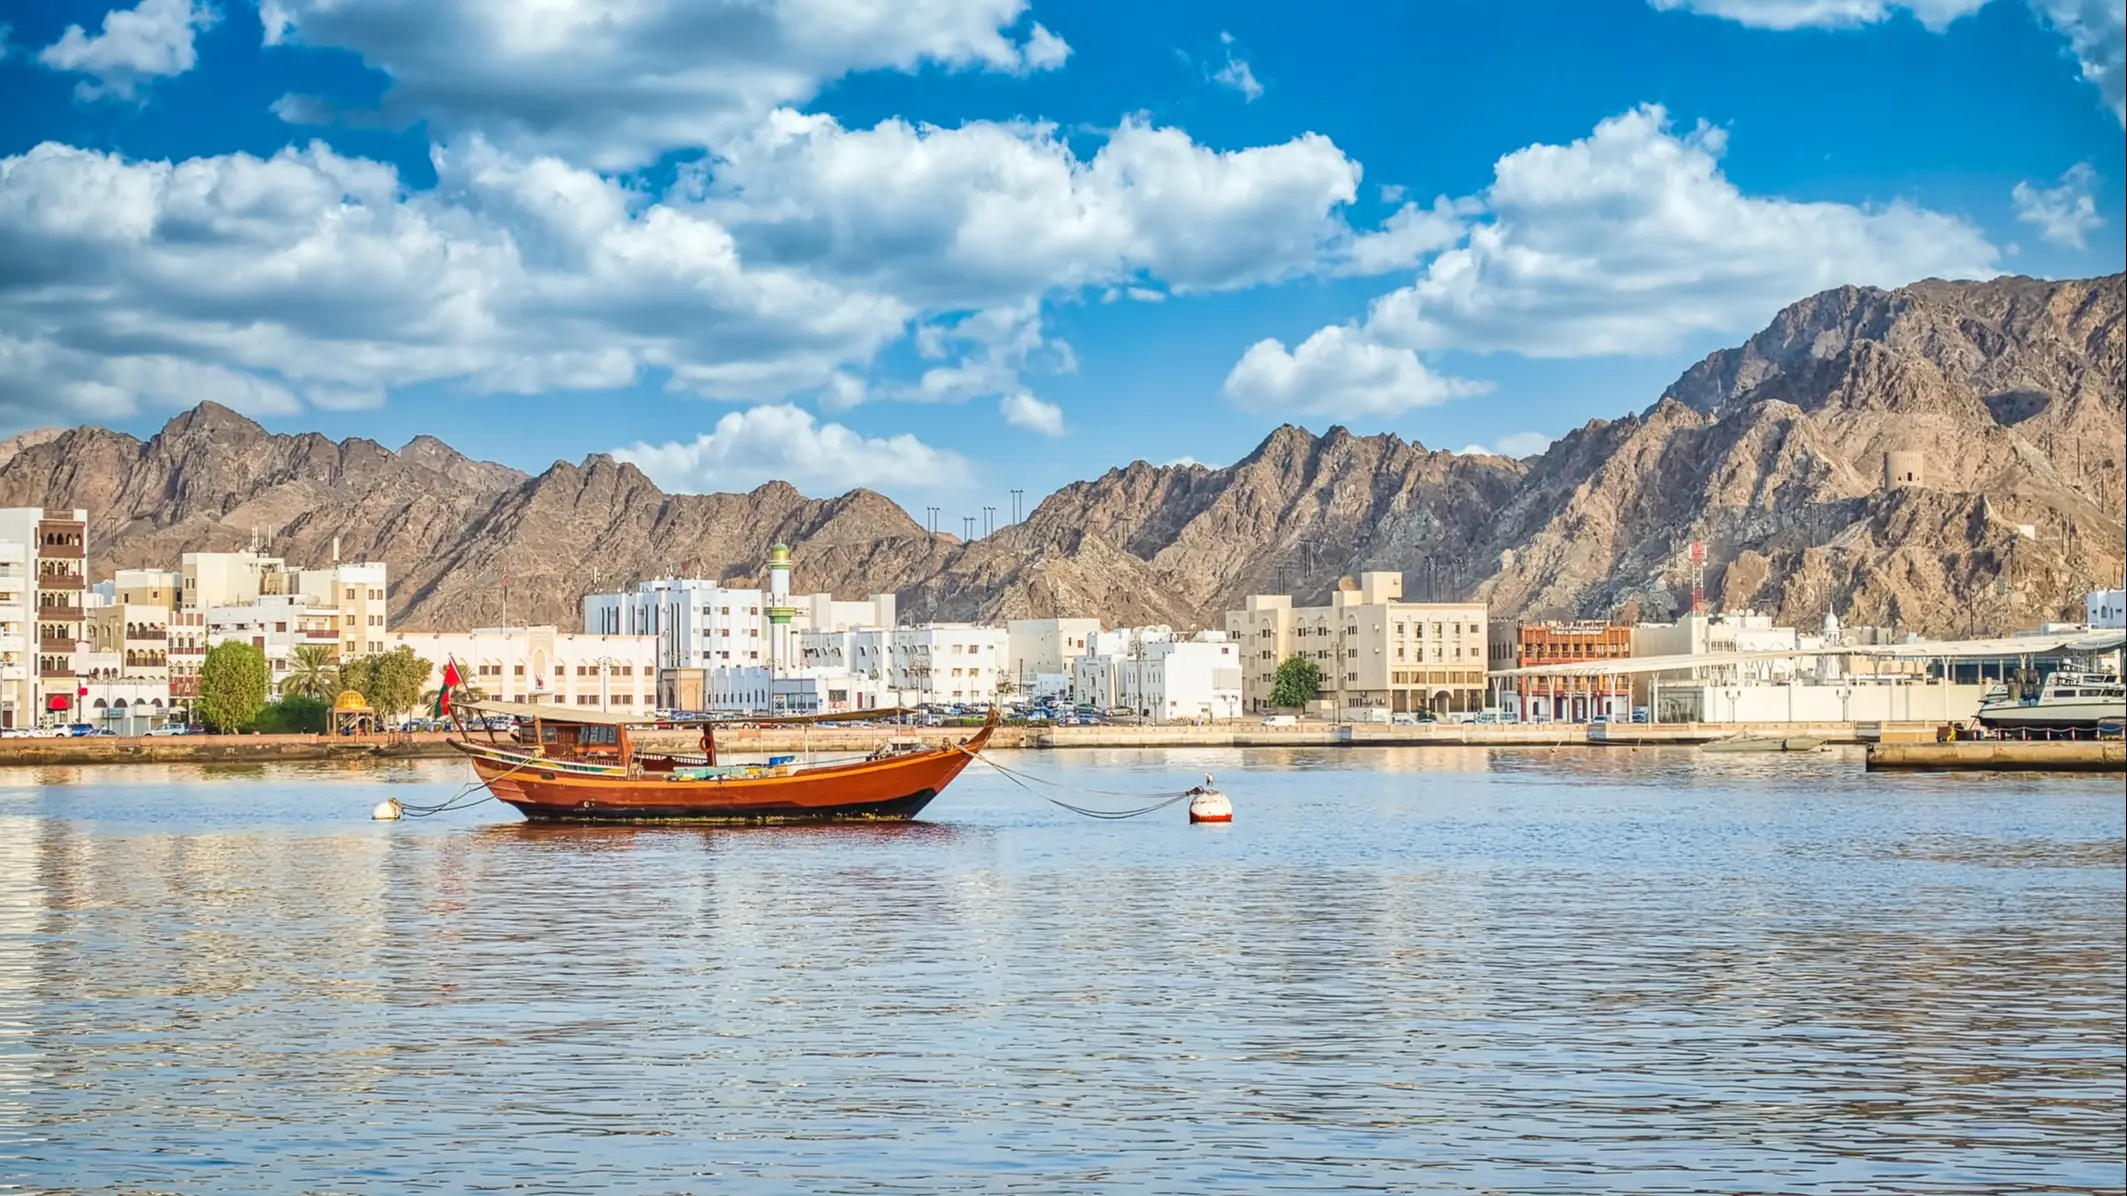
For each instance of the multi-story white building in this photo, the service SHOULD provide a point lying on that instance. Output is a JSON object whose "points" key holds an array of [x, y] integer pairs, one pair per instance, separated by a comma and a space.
{"points": [[542, 664], [276, 624], [18, 654], [122, 698], [1039, 652], [695, 624], [55, 571], [1375, 651], [1160, 677], [703, 624], [945, 663]]}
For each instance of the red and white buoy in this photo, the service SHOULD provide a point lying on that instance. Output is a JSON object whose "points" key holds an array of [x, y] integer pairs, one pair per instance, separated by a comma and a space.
{"points": [[1207, 804]]}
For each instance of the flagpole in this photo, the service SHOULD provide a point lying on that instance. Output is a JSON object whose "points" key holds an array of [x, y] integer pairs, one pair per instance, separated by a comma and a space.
{"points": [[450, 669]]}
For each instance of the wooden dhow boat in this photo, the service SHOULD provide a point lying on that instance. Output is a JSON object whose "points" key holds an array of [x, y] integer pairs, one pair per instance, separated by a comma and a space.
{"points": [[563, 765]]}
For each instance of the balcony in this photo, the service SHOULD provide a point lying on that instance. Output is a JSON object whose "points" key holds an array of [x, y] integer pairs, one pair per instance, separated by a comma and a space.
{"points": [[56, 644], [61, 582]]}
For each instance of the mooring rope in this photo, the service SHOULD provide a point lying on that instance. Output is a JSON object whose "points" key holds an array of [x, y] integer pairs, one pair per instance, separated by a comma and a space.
{"points": [[1027, 781], [453, 802]]}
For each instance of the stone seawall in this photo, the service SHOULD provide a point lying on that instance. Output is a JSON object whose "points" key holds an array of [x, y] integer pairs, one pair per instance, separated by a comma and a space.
{"points": [[738, 742], [2001, 756]]}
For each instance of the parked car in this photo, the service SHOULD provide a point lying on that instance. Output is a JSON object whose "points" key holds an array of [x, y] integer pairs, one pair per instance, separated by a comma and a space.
{"points": [[169, 729], [1281, 720], [77, 730]]}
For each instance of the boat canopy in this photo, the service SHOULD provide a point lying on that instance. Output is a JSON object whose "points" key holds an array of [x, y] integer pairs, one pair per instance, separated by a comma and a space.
{"points": [[559, 714], [610, 718]]}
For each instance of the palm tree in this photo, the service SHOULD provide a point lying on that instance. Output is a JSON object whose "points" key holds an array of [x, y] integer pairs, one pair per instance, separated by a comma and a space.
{"points": [[313, 673]]}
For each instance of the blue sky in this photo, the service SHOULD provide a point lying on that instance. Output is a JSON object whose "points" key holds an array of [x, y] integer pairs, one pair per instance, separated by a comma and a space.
{"points": [[952, 248]]}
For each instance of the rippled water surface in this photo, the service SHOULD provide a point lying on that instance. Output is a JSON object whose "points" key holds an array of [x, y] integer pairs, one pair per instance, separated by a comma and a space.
{"points": [[1419, 970]]}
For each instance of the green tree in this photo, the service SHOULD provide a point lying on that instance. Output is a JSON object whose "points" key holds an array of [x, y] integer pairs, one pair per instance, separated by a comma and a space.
{"points": [[392, 681], [312, 673], [294, 714], [1299, 682], [232, 685]]}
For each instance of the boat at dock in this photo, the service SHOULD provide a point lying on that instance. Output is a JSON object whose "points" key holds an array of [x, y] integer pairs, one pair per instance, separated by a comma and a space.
{"points": [[2077, 702], [562, 765]]}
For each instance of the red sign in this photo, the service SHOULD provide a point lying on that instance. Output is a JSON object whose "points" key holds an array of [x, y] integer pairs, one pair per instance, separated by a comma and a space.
{"points": [[58, 702]]}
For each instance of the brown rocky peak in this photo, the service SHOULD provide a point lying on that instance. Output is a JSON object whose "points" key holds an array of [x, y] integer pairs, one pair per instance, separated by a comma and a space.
{"points": [[210, 419]]}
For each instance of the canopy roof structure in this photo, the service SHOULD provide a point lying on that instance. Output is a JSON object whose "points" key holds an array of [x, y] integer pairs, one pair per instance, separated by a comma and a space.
{"points": [[2075, 642], [612, 718]]}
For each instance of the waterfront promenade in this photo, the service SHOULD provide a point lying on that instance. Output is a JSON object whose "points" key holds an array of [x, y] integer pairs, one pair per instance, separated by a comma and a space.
{"points": [[741, 741]]}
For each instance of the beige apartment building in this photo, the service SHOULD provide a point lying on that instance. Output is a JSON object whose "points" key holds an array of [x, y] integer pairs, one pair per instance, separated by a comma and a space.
{"points": [[1376, 651], [354, 592]]}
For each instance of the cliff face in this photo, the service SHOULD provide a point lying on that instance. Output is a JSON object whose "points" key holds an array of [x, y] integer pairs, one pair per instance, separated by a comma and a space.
{"points": [[1771, 453]]}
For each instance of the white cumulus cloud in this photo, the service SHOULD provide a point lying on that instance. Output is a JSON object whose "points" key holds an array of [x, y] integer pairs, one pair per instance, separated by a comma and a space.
{"points": [[2096, 29], [1339, 371], [312, 271], [786, 443], [1826, 14], [152, 40], [615, 85], [2097, 35], [1631, 240], [1022, 410], [2062, 214]]}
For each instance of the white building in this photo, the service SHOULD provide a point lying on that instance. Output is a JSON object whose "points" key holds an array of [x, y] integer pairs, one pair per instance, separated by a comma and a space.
{"points": [[1039, 652], [55, 568], [945, 663], [541, 664], [356, 593], [1160, 677], [2105, 610], [18, 653], [122, 697], [277, 624]]}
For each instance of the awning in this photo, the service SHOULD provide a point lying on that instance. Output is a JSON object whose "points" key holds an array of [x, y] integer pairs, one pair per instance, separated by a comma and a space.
{"points": [[2020, 645], [557, 713]]}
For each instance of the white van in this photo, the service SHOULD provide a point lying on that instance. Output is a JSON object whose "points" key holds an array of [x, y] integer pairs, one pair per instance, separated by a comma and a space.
{"points": [[1282, 720]]}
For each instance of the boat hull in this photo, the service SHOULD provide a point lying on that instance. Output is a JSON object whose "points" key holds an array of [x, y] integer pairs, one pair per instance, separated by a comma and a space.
{"points": [[898, 809], [2063, 715], [892, 789]]}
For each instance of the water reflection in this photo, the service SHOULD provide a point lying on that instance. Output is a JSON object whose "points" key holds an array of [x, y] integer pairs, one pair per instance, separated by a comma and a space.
{"points": [[1400, 969]]}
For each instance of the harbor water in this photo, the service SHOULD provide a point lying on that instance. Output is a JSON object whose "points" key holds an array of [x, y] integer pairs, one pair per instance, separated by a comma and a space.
{"points": [[1435, 969]]}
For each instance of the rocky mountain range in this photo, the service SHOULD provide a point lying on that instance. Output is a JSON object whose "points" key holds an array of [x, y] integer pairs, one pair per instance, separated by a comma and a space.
{"points": [[1771, 454]]}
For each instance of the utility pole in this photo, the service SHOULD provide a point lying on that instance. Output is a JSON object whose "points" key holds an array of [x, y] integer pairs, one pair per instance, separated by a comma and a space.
{"points": [[967, 523], [989, 521], [1016, 496], [932, 515]]}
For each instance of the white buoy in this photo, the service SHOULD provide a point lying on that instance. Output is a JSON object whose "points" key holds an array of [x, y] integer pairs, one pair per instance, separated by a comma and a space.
{"points": [[387, 810], [1207, 804]]}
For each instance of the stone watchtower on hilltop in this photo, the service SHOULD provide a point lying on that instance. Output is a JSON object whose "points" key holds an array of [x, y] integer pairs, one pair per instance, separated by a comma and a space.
{"points": [[1903, 469]]}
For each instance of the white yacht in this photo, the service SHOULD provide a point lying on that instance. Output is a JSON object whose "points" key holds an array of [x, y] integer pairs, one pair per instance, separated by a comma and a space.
{"points": [[2069, 702]]}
